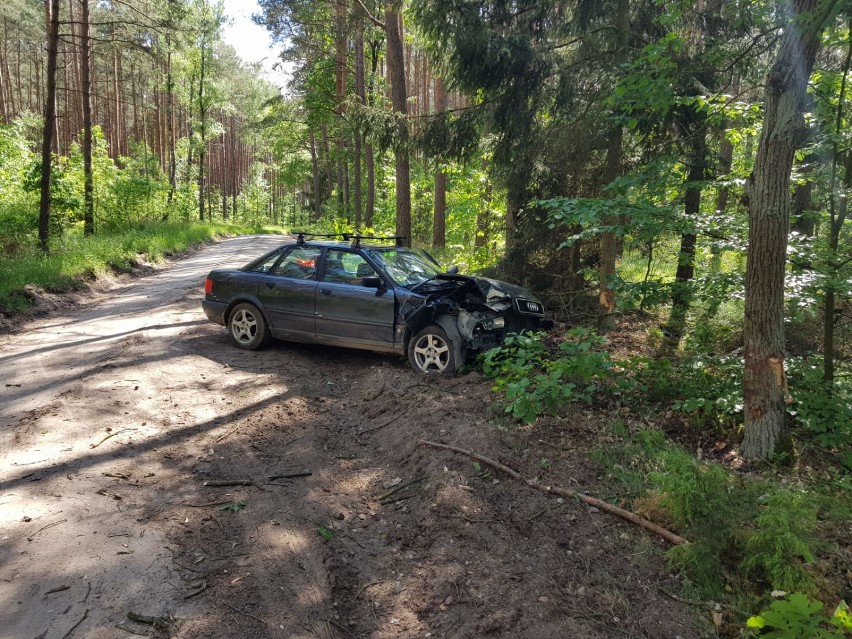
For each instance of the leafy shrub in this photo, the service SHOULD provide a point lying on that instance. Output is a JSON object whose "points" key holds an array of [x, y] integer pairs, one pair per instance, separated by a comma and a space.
{"points": [[782, 542], [708, 389], [799, 617], [534, 382], [705, 503], [822, 408]]}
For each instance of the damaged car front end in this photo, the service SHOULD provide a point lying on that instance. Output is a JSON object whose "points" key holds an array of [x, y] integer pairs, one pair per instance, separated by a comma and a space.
{"points": [[475, 313]]}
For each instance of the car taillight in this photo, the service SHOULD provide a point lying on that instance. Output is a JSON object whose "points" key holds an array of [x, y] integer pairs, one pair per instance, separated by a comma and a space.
{"points": [[208, 286]]}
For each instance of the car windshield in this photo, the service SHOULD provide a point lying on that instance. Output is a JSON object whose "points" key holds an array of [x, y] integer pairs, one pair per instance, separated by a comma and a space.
{"points": [[407, 267]]}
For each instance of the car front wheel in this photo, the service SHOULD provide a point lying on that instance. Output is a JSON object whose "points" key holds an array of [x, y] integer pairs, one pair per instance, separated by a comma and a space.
{"points": [[431, 351], [247, 327]]}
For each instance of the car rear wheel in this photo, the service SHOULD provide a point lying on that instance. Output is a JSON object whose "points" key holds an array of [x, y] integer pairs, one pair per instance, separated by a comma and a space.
{"points": [[431, 352], [247, 327]]}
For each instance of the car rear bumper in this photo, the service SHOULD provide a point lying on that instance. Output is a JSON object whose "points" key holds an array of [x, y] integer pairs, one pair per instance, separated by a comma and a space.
{"points": [[215, 311]]}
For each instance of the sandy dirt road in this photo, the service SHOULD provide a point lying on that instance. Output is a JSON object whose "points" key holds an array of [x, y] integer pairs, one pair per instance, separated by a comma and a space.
{"points": [[116, 417]]}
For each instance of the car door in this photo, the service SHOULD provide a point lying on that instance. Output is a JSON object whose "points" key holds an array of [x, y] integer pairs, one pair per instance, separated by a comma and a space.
{"points": [[288, 293], [349, 313]]}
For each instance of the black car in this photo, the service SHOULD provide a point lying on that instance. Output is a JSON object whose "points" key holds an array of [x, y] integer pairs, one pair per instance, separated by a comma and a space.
{"points": [[384, 298]]}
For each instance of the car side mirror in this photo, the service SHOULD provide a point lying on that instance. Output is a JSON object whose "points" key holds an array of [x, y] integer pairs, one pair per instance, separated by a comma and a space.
{"points": [[372, 281], [453, 269]]}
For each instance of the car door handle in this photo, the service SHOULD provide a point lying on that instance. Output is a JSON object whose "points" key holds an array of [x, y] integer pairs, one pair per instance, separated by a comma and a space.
{"points": [[325, 291], [270, 285]]}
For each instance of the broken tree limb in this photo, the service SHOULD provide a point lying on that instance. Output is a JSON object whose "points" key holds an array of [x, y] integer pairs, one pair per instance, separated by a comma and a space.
{"points": [[389, 421], [118, 432], [74, 627], [217, 483], [56, 523], [633, 518], [384, 496], [290, 475]]}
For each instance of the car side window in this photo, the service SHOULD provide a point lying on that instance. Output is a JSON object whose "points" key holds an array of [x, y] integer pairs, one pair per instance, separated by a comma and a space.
{"points": [[345, 267], [300, 262], [266, 265]]}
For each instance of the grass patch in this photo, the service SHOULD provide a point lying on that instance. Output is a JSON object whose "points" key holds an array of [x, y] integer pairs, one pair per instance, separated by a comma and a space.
{"points": [[75, 258]]}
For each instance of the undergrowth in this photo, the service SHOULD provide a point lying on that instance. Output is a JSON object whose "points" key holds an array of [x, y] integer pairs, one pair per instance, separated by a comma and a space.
{"points": [[749, 534], [75, 258]]}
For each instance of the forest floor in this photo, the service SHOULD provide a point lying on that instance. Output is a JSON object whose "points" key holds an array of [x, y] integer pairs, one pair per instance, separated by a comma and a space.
{"points": [[116, 410]]}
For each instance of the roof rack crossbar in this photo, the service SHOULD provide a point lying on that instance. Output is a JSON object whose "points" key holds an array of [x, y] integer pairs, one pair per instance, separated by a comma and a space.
{"points": [[355, 238]]}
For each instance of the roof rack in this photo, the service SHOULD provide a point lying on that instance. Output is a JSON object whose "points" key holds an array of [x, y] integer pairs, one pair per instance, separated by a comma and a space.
{"points": [[301, 235], [355, 238]]}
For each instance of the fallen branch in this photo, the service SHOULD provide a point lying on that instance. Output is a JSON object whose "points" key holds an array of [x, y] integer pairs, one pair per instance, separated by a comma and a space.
{"points": [[111, 435], [212, 503], [200, 587], [633, 518], [290, 475], [56, 523], [158, 622], [216, 483], [57, 589], [74, 627], [400, 487], [390, 421], [243, 612]]}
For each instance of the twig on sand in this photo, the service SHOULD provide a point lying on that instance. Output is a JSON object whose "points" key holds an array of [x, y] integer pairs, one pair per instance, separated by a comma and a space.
{"points": [[389, 421], [291, 475], [74, 627], [216, 483], [384, 496], [200, 587], [56, 523], [633, 518], [157, 622], [242, 612], [111, 435]]}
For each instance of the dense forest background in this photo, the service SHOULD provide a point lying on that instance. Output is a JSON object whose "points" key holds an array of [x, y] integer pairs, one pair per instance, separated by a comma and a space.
{"points": [[687, 163]]}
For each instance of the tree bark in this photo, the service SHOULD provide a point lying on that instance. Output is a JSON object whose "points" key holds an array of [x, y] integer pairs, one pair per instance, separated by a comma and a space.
{"points": [[86, 88], [52, 19], [396, 71], [360, 92], [439, 228], [764, 381]]}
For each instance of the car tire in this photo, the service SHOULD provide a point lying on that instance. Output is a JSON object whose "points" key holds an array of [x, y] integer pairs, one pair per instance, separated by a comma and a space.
{"points": [[247, 327], [432, 352]]}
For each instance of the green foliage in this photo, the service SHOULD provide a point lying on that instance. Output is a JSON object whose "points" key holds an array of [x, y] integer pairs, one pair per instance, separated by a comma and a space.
{"points": [[325, 533], [707, 389], [823, 409], [799, 617], [781, 544], [535, 382], [703, 501], [736, 525], [79, 257], [234, 507]]}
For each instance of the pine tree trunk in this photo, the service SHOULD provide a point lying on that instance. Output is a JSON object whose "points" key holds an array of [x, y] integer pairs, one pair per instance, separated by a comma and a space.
{"points": [[765, 383], [396, 71], [52, 19], [360, 92], [86, 86], [439, 228]]}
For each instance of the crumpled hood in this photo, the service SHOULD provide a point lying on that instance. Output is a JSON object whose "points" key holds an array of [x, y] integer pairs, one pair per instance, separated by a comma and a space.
{"points": [[495, 293]]}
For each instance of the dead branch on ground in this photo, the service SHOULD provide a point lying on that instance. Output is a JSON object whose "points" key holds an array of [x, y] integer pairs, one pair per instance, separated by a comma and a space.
{"points": [[633, 518]]}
